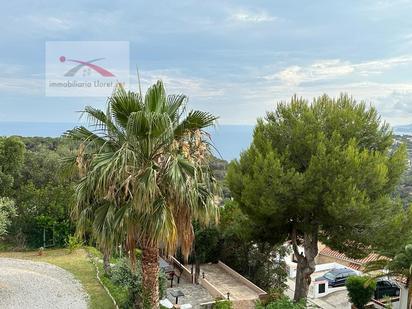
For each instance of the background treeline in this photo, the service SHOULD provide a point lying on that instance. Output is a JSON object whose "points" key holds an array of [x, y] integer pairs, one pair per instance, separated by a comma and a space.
{"points": [[42, 195]]}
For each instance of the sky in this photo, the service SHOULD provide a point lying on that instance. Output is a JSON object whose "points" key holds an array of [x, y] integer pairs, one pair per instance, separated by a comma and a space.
{"points": [[236, 59]]}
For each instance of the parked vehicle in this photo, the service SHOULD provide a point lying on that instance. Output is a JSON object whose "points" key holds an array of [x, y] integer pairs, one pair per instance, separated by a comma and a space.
{"points": [[337, 277], [386, 288]]}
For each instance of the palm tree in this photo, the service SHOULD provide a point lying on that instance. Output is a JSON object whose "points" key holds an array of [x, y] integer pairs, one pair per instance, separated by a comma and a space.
{"points": [[148, 161], [91, 215], [399, 266], [99, 217]]}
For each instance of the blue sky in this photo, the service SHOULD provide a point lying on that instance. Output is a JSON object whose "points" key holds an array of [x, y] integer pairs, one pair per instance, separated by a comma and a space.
{"points": [[233, 58]]}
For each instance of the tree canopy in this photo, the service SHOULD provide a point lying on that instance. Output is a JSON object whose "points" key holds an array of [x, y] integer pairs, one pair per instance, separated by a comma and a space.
{"points": [[320, 171], [7, 212], [11, 160]]}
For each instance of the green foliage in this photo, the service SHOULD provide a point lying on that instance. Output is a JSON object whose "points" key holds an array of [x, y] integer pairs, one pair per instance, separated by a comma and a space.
{"points": [[7, 212], [162, 284], [243, 250], [122, 275], [94, 252], [119, 292], [273, 295], [11, 159], [223, 304], [398, 265], [360, 290], [327, 166], [73, 243], [206, 248], [402, 262], [404, 190], [43, 198], [282, 303], [128, 277]]}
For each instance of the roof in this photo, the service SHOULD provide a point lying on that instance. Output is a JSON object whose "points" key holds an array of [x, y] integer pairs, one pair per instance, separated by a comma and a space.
{"points": [[354, 263], [338, 271], [355, 266]]}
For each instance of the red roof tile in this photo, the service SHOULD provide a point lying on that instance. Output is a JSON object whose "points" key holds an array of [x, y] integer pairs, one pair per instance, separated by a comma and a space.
{"points": [[337, 255]]}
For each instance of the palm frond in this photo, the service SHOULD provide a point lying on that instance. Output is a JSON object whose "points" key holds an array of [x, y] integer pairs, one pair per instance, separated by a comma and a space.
{"points": [[195, 120]]}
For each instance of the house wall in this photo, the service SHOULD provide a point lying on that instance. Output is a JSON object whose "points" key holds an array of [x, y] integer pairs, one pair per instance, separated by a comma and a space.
{"points": [[403, 301]]}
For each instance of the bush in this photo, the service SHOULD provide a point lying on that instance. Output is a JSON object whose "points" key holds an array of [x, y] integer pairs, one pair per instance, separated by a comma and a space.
{"points": [[282, 303], [124, 275], [223, 304], [273, 295], [7, 211], [73, 243], [162, 284], [360, 290]]}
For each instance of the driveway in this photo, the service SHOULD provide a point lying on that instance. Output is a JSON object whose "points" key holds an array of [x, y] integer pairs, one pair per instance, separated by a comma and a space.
{"points": [[335, 300], [26, 284]]}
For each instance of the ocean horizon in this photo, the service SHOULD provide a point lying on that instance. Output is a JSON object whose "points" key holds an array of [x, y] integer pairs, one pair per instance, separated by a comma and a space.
{"points": [[229, 140]]}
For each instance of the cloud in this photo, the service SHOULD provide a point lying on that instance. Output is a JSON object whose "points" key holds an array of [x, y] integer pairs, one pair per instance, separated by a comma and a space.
{"points": [[387, 4], [10, 69], [49, 23], [321, 70], [252, 17], [335, 68], [395, 104], [177, 82], [23, 86]]}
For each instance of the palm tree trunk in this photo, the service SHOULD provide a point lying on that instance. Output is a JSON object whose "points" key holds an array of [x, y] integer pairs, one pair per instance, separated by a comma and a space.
{"points": [[409, 300], [197, 271], [150, 275], [106, 261]]}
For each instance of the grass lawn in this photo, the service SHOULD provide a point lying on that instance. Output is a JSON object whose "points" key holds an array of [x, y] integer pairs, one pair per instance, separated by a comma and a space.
{"points": [[78, 264]]}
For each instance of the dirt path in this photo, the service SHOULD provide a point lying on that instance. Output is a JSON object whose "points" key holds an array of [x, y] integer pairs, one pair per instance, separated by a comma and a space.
{"points": [[26, 284]]}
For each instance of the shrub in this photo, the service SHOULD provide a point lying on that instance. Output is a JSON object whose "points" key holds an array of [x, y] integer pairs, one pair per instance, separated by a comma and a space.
{"points": [[273, 295], [282, 303], [124, 275], [162, 284], [7, 212], [360, 290], [223, 304], [73, 243]]}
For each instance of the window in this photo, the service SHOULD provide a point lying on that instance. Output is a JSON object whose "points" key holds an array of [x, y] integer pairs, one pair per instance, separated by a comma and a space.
{"points": [[386, 284], [322, 288], [329, 276]]}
